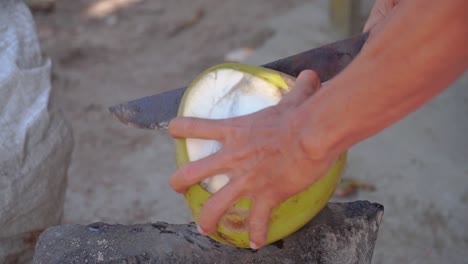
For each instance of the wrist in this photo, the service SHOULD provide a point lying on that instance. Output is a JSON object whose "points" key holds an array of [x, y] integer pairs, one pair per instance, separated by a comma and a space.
{"points": [[318, 136]]}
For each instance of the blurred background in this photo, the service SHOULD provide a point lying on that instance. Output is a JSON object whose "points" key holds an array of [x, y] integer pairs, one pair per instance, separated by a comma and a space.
{"points": [[109, 51]]}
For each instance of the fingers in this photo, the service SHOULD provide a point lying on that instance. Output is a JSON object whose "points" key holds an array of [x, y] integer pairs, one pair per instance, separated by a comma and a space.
{"points": [[259, 220], [194, 172], [215, 207], [379, 11], [307, 83], [190, 127]]}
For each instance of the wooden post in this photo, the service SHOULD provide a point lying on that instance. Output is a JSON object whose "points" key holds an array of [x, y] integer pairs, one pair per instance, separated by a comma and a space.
{"points": [[349, 16]]}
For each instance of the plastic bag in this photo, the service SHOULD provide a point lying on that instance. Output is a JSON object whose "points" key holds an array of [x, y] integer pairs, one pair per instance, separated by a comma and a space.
{"points": [[35, 141]]}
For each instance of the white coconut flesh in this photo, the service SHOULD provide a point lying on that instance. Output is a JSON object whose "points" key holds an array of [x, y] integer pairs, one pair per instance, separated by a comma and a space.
{"points": [[220, 94]]}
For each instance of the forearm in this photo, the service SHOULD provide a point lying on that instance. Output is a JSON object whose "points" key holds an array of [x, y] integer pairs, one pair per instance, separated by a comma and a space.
{"points": [[421, 49]]}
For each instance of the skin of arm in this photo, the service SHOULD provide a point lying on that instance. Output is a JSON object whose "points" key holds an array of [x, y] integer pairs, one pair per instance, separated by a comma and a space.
{"points": [[415, 50], [418, 51]]}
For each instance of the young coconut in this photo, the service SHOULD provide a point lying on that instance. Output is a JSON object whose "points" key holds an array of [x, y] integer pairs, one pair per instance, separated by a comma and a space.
{"points": [[230, 90]]}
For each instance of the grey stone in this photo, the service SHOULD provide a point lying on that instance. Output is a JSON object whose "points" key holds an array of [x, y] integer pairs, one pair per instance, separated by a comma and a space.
{"points": [[341, 233]]}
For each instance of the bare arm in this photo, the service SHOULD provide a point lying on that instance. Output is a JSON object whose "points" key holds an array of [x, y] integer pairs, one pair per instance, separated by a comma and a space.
{"points": [[417, 52]]}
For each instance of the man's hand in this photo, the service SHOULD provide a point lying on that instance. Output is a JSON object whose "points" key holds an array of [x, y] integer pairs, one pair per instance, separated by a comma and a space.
{"points": [[381, 12], [262, 155]]}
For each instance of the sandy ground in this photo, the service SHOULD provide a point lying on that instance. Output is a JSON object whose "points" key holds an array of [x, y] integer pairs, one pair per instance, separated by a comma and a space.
{"points": [[120, 174]]}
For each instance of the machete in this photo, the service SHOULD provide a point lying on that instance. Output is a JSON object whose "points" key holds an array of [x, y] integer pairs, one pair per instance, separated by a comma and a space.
{"points": [[156, 111]]}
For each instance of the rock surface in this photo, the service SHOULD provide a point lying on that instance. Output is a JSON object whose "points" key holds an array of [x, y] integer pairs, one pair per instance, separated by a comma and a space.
{"points": [[341, 233]]}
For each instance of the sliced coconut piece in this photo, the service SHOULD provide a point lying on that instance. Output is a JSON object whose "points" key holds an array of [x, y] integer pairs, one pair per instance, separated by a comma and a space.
{"points": [[225, 93]]}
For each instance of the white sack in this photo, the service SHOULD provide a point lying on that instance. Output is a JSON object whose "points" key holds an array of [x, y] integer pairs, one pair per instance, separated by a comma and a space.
{"points": [[35, 142]]}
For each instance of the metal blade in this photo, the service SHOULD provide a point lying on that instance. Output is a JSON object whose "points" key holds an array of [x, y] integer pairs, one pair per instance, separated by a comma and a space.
{"points": [[151, 112], [157, 110]]}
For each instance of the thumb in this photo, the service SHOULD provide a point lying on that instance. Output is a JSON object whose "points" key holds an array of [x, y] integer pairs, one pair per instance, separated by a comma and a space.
{"points": [[307, 83]]}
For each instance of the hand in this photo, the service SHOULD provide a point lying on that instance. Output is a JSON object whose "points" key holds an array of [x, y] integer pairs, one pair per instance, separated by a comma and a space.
{"points": [[263, 156], [379, 15]]}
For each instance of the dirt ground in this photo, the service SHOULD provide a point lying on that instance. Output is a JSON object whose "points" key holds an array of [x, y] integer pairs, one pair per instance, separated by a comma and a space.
{"points": [[106, 54]]}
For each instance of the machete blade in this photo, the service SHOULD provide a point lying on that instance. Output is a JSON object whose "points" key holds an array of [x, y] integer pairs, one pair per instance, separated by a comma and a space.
{"points": [[156, 111], [151, 112]]}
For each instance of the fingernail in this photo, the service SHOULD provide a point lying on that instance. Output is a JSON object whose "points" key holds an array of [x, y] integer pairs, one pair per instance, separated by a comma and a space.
{"points": [[253, 245], [200, 230]]}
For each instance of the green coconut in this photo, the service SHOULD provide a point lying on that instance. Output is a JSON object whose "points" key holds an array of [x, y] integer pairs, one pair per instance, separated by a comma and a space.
{"points": [[230, 90]]}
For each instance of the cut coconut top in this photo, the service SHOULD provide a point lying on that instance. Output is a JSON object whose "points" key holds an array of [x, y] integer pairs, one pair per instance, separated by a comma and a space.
{"points": [[224, 93]]}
